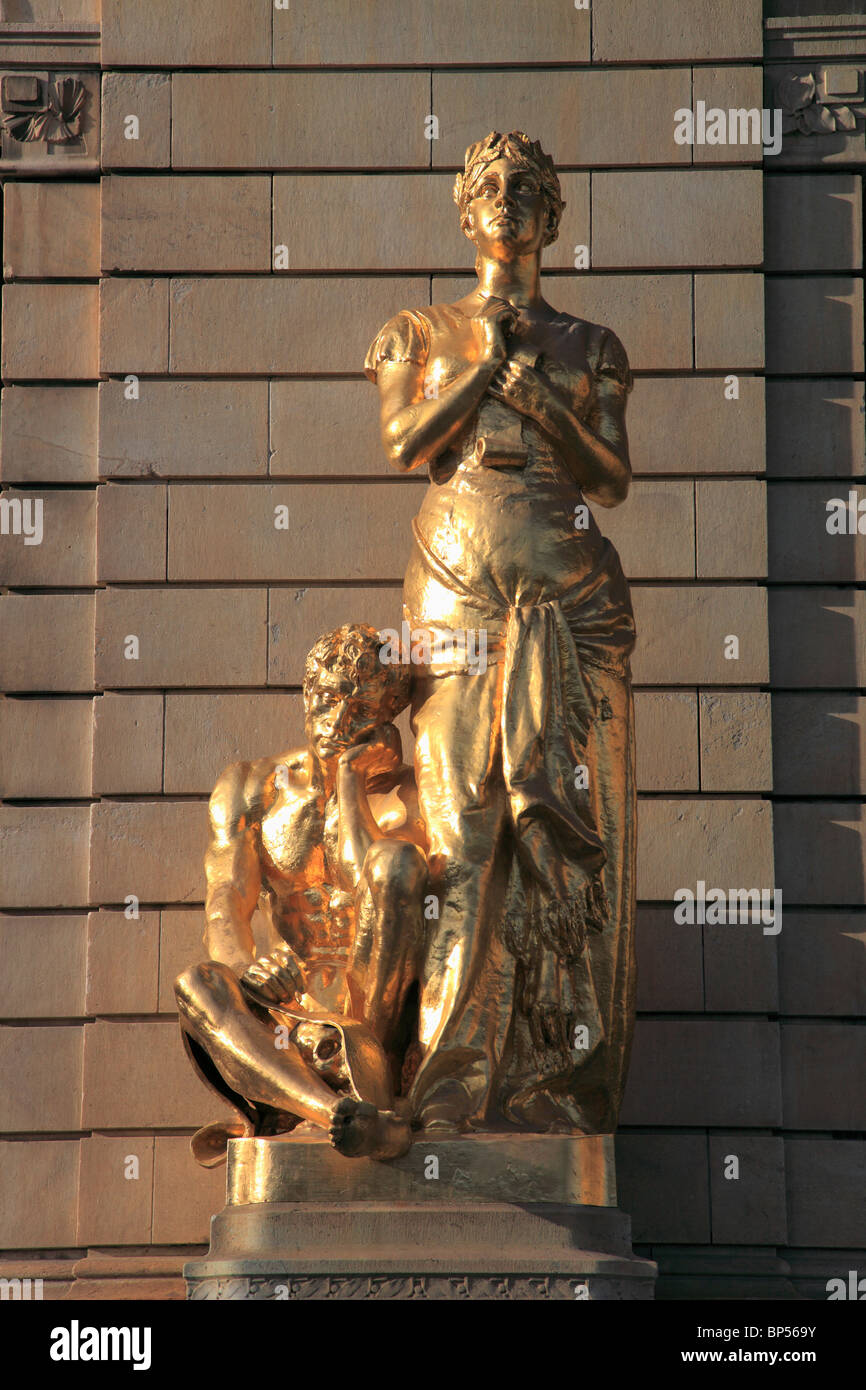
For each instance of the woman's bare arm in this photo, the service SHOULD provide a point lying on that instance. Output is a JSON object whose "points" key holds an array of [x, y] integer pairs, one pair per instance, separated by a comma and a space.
{"points": [[416, 428]]}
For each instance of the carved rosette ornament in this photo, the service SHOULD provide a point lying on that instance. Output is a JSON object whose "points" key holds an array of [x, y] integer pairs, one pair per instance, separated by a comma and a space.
{"points": [[821, 105], [49, 122], [49, 111]]}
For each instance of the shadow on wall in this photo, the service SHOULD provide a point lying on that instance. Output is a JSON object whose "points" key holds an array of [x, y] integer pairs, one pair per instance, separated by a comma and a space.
{"points": [[815, 445]]}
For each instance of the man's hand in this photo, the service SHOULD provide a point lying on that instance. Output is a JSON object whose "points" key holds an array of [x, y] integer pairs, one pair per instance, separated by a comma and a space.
{"points": [[380, 752], [525, 390], [274, 979]]}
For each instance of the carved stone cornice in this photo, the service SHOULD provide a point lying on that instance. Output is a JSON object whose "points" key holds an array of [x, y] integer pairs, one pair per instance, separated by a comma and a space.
{"points": [[816, 36], [49, 45]]}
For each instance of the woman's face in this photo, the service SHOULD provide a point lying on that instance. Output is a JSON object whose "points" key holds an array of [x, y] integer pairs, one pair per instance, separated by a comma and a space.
{"points": [[507, 212]]}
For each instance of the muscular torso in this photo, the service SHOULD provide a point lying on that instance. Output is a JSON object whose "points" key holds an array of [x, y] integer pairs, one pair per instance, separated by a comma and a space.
{"points": [[311, 905]]}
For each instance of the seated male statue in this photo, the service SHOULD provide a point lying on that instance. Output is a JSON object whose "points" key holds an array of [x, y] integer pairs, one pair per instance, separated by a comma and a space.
{"points": [[330, 841]]}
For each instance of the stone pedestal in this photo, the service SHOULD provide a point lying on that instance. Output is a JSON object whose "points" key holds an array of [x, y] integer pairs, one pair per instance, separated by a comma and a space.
{"points": [[479, 1217]]}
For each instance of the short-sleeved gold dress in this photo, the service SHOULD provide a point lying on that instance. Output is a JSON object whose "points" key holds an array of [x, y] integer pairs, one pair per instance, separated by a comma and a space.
{"points": [[526, 769]]}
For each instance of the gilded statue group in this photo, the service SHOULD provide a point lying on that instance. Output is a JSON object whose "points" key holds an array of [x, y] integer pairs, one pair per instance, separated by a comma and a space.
{"points": [[451, 944]]}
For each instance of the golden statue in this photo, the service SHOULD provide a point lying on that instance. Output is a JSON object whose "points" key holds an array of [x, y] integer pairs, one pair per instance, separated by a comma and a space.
{"points": [[525, 769], [458, 954], [329, 841]]}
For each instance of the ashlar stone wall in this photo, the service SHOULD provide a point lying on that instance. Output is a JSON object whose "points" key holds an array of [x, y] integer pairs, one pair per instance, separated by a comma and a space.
{"points": [[190, 286]]}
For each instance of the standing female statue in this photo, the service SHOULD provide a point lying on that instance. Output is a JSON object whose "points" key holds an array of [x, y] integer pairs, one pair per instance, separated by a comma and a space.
{"points": [[525, 770]]}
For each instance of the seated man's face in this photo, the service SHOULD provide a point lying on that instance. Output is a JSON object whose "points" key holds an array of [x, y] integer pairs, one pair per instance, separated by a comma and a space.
{"points": [[340, 713]]}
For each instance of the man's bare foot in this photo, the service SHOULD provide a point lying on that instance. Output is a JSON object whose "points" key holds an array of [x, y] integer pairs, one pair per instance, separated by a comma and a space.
{"points": [[359, 1130]]}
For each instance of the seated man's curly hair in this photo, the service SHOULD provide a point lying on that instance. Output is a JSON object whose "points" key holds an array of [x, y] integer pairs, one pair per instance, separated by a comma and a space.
{"points": [[354, 650]]}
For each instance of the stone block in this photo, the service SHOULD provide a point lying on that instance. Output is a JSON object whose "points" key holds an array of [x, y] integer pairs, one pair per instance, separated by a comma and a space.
{"points": [[186, 428], [396, 34], [801, 547], [736, 754], [822, 963], [731, 525], [832, 306], [822, 1071], [704, 1072], [321, 428], [44, 1179], [678, 29], [46, 642], [826, 1178], [45, 748], [724, 436], [333, 531], [204, 637], [115, 1194], [821, 852], [48, 434], [666, 739], [584, 118], [45, 1063], [137, 1076], [677, 217], [662, 1183], [815, 427], [720, 841], [190, 223], [729, 322], [133, 326], [122, 963], [152, 849], [813, 222], [298, 617], [819, 744], [251, 324], [44, 851], [727, 88], [181, 944], [127, 744], [204, 733], [741, 967], [632, 305], [49, 330], [43, 966], [704, 618], [132, 1290], [300, 120], [66, 554], [132, 527], [669, 963], [813, 630], [147, 96], [200, 33], [748, 1209], [50, 230], [372, 237], [654, 531], [185, 1195]]}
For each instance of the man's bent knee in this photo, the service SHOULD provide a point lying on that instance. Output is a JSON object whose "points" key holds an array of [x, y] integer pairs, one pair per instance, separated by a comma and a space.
{"points": [[395, 865], [204, 989]]}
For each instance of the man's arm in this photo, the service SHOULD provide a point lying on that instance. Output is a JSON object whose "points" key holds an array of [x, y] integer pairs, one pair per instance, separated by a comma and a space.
{"points": [[233, 872], [358, 826]]}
